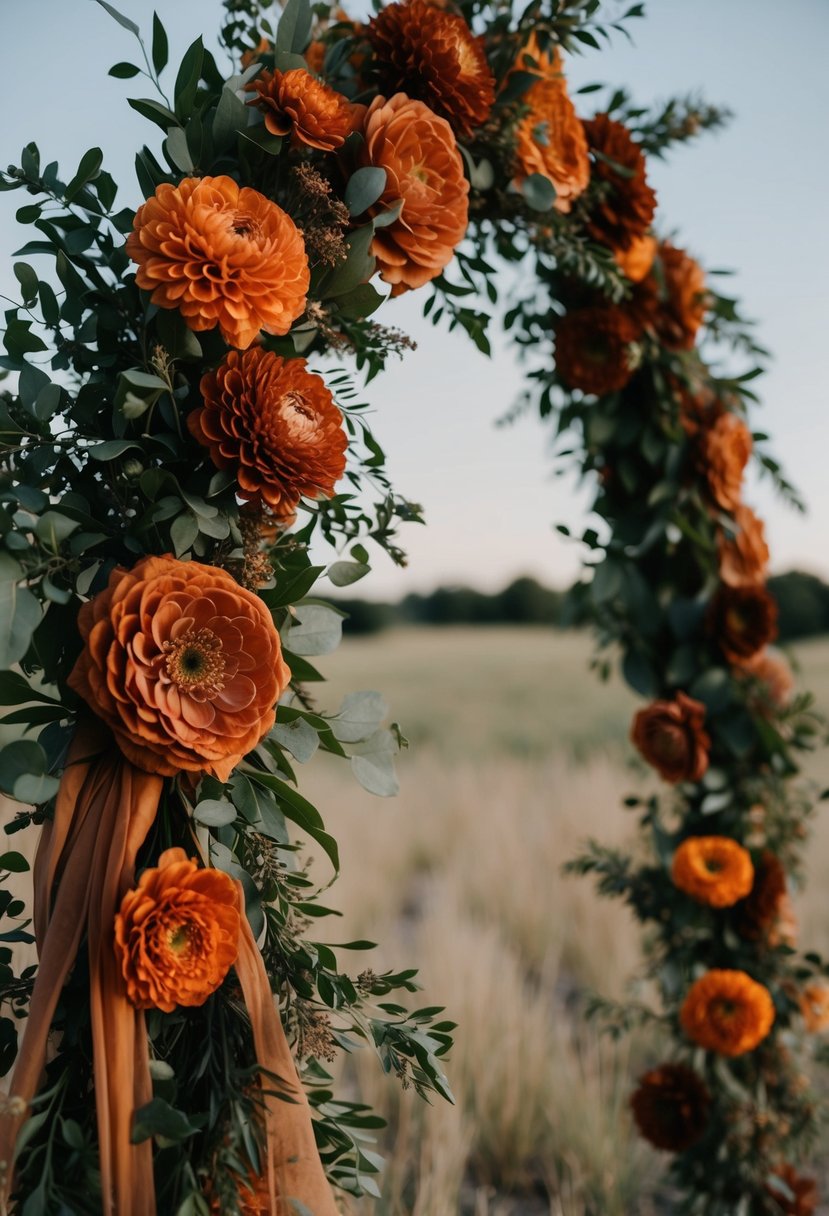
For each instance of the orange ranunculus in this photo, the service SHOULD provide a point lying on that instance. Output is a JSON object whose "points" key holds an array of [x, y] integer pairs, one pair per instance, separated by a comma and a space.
{"points": [[727, 1012], [814, 1005], [183, 665], [550, 140], [431, 54], [424, 172], [801, 1196], [670, 1107], [275, 424], [766, 914], [744, 556], [773, 676], [637, 260], [713, 870], [671, 300], [222, 255], [593, 349], [294, 103], [621, 212], [725, 448], [742, 621], [670, 736], [177, 933]]}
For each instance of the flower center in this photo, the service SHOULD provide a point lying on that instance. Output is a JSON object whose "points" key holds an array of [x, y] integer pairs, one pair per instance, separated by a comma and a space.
{"points": [[195, 662], [178, 939]]}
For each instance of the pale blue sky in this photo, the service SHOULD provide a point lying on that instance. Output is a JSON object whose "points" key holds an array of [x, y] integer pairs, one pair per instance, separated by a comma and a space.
{"points": [[752, 198]]}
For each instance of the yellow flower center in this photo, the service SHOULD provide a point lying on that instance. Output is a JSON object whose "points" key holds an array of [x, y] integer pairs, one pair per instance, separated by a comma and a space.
{"points": [[195, 662], [178, 939]]}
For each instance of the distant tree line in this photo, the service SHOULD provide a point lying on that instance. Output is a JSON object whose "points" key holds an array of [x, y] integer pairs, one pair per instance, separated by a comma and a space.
{"points": [[803, 602]]}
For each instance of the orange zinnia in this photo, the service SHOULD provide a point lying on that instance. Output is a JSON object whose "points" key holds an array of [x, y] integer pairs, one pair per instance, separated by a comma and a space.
{"points": [[671, 1106], [424, 171], [742, 620], [431, 54], [725, 448], [183, 665], [177, 933], [670, 736], [275, 424], [620, 210], [294, 103], [814, 1005], [550, 140], [714, 870], [727, 1012], [744, 556], [222, 255], [593, 349]]}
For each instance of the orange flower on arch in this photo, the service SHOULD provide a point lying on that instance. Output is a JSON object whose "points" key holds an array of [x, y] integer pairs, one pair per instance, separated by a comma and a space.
{"points": [[670, 735], [294, 103], [223, 255], [672, 300], [742, 620], [771, 671], [814, 1005], [624, 206], [550, 140], [744, 557], [725, 449], [637, 260], [177, 933], [670, 1107], [727, 1012], [713, 870], [593, 349]]}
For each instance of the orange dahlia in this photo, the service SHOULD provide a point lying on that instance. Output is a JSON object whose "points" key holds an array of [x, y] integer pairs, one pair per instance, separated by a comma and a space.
{"points": [[744, 556], [275, 424], [671, 301], [637, 260], [294, 103], [814, 1005], [727, 1012], [725, 448], [550, 140], [593, 349], [222, 254], [767, 914], [431, 54], [622, 204], [183, 664], [424, 172], [177, 933], [670, 1107], [671, 737], [742, 620], [714, 870], [800, 1197]]}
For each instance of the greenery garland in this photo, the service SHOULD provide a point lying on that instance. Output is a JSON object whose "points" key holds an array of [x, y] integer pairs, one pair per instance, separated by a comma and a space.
{"points": [[167, 428]]}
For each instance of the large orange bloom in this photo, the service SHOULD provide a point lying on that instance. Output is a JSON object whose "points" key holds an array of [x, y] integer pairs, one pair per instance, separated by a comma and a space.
{"points": [[714, 870], [183, 665], [621, 208], [275, 424], [670, 736], [593, 349], [725, 448], [742, 620], [744, 556], [727, 1012], [222, 255], [550, 140], [177, 933], [430, 53], [294, 103], [670, 1107], [424, 172]]}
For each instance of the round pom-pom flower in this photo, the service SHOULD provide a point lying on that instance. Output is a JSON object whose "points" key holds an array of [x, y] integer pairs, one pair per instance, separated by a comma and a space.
{"points": [[593, 349], [223, 255], [670, 1107], [742, 621], [725, 448], [424, 172], [177, 933], [183, 664], [713, 870], [431, 54], [670, 736], [624, 203], [275, 424], [727, 1012], [294, 103], [550, 140]]}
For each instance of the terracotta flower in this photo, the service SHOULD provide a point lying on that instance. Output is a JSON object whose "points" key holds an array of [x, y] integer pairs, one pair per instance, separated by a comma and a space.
{"points": [[727, 1012], [223, 255], [742, 620], [773, 679], [622, 204], [671, 300], [550, 140], [183, 665], [725, 448], [593, 349], [803, 1196], [714, 870], [670, 1107], [814, 1005], [275, 424], [177, 933], [294, 103], [744, 557], [671, 737], [637, 260], [424, 172], [767, 914], [430, 54]]}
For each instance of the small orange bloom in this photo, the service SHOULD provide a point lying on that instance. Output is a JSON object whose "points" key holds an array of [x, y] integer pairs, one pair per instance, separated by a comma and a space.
{"points": [[814, 1005], [670, 736], [802, 1198], [637, 260], [742, 620], [744, 557], [550, 140], [727, 1012], [183, 664], [769, 668], [177, 933], [767, 913], [593, 349], [294, 103], [672, 300], [671, 1106], [222, 255], [622, 206], [725, 448], [714, 870]]}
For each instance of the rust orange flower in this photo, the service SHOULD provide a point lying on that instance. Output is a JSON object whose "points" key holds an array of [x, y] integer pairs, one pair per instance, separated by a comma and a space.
{"points": [[814, 1005], [802, 1195], [550, 140], [714, 870], [622, 204], [294, 103], [742, 620], [430, 54], [183, 664], [744, 557], [275, 425], [637, 260], [671, 301], [727, 1012], [767, 914], [725, 448], [177, 933], [773, 679], [671, 737], [223, 255], [593, 349], [670, 1107], [424, 173]]}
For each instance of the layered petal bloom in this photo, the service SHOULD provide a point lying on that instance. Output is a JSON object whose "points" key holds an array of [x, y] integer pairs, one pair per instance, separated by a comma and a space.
{"points": [[672, 301], [593, 349], [744, 557], [424, 174], [742, 620], [725, 448], [622, 204], [713, 870], [275, 424], [183, 664], [727, 1012], [177, 933], [223, 255], [550, 140], [671, 737], [670, 1107], [294, 103]]}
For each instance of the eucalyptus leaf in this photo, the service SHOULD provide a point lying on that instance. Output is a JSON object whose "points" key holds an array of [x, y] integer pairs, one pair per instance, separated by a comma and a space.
{"points": [[214, 812], [372, 763], [316, 629], [359, 716], [364, 188], [20, 613]]}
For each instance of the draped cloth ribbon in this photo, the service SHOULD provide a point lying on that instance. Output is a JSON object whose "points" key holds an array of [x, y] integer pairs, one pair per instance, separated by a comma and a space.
{"points": [[85, 864]]}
